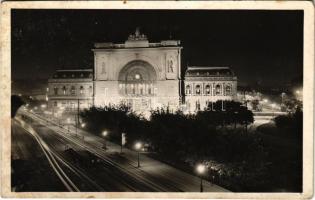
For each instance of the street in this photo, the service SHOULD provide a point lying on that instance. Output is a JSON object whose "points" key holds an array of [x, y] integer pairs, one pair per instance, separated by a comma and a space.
{"points": [[86, 166]]}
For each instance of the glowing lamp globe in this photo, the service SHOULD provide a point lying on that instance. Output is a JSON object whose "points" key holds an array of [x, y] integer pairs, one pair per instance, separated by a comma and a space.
{"points": [[104, 133], [201, 168], [138, 145]]}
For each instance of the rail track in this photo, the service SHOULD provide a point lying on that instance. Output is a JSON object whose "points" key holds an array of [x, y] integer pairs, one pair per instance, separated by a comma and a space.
{"points": [[135, 173], [65, 171]]}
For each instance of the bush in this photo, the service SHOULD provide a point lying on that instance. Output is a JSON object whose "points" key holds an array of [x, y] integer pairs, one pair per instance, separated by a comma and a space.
{"points": [[291, 124]]}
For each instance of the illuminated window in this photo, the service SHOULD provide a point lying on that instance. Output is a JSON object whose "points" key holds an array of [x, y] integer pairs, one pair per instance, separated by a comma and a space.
{"points": [[228, 90], [64, 89], [218, 89], [81, 89], [197, 105], [188, 90], [198, 89], [207, 89], [137, 76]]}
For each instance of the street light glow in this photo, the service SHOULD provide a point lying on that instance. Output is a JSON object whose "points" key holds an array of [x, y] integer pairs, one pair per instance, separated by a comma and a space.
{"points": [[83, 125], [138, 145], [201, 168], [104, 133], [298, 92], [265, 100]]}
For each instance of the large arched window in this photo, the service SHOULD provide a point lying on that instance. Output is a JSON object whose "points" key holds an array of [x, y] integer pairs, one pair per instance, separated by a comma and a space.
{"points": [[228, 90], [137, 78], [218, 89], [198, 91], [188, 90], [207, 90]]}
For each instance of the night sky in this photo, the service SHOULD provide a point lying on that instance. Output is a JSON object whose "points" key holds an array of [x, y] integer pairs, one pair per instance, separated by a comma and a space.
{"points": [[264, 47]]}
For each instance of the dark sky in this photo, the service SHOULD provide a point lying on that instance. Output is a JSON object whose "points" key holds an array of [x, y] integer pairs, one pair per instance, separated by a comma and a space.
{"points": [[260, 46]]}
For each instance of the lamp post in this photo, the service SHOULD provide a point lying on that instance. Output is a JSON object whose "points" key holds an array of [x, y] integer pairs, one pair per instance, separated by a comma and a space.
{"points": [[138, 147], [201, 169], [104, 134]]}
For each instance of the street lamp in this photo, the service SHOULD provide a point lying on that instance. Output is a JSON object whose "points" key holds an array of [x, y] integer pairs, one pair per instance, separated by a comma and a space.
{"points": [[201, 169], [138, 147], [82, 125], [104, 134], [265, 100], [297, 92]]}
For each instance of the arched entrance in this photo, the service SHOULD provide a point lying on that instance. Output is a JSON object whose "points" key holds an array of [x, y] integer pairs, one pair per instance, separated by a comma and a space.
{"points": [[136, 85]]}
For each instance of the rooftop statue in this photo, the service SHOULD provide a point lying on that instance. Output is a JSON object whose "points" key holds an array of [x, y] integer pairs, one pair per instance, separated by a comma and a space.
{"points": [[137, 35]]}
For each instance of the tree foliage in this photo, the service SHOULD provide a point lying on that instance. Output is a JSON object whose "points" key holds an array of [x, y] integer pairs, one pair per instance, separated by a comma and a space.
{"points": [[16, 103], [206, 135]]}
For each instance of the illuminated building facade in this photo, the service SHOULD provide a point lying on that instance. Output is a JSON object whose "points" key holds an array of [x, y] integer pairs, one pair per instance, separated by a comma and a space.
{"points": [[204, 85], [68, 89], [137, 73], [142, 75]]}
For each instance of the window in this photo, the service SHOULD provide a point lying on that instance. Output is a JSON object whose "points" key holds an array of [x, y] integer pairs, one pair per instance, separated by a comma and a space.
{"points": [[81, 89], [217, 89], [55, 90], [188, 90], [208, 90], [64, 89], [72, 90], [197, 89], [141, 89], [90, 90], [137, 76], [228, 90], [55, 103], [197, 105], [133, 89]]}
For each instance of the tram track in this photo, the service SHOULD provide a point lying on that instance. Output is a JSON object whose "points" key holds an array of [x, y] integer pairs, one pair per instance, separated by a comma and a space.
{"points": [[135, 173]]}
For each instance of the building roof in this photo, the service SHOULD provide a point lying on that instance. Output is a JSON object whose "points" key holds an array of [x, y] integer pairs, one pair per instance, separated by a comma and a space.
{"points": [[194, 71], [137, 40], [73, 74]]}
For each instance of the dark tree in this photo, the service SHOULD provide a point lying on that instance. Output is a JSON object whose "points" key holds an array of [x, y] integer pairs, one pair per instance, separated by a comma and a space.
{"points": [[16, 103]]}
